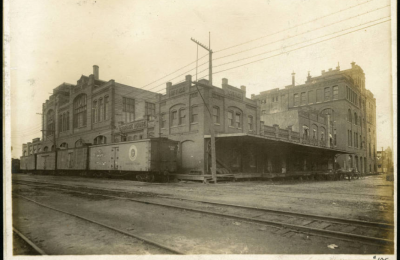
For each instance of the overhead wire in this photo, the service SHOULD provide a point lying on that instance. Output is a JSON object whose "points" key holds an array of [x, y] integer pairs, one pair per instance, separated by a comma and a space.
{"points": [[284, 30]]}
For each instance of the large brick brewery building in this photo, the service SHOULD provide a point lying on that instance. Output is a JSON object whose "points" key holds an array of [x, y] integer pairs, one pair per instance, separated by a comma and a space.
{"points": [[254, 136], [339, 94]]}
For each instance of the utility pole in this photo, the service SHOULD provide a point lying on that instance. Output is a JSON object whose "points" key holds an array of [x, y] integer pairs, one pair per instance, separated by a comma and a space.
{"points": [[209, 108]]}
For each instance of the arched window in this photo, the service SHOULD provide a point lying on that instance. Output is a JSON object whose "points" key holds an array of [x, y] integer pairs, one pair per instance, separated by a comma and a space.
{"points": [[80, 111], [79, 143], [349, 116], [101, 110], [230, 118], [335, 92], [101, 139], [45, 149], [182, 116], [355, 118], [67, 121], [24, 153], [216, 117], [50, 123], [106, 107], [174, 118], [52, 148], [238, 119], [64, 145], [94, 109]]}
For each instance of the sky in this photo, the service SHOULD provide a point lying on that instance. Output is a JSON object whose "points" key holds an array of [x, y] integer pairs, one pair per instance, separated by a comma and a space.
{"points": [[144, 43]]}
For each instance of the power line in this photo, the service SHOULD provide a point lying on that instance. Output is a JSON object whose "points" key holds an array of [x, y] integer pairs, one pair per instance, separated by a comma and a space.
{"points": [[298, 43], [310, 21], [349, 18], [299, 47]]}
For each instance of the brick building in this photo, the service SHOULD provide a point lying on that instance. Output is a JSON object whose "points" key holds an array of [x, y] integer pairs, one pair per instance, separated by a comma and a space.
{"points": [[94, 111], [342, 98]]}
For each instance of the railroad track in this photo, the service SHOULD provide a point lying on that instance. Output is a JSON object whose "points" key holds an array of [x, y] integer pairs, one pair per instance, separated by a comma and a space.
{"points": [[345, 229], [129, 234]]}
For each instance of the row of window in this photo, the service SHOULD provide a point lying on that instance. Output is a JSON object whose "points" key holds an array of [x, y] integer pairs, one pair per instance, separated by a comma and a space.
{"points": [[353, 97], [101, 109], [300, 100], [178, 117], [355, 140], [357, 119]]}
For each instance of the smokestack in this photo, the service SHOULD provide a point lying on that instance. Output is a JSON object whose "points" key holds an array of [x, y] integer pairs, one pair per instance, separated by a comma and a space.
{"points": [[293, 80], [243, 88], [224, 81], [96, 71], [169, 84]]}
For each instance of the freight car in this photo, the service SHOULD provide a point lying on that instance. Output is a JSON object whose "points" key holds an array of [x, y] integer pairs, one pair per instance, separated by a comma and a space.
{"points": [[145, 160]]}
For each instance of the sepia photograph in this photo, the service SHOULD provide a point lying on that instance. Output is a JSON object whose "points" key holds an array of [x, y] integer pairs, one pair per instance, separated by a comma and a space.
{"points": [[229, 129]]}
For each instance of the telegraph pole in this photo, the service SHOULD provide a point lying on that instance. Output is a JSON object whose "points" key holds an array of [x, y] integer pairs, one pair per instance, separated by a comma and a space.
{"points": [[209, 108]]}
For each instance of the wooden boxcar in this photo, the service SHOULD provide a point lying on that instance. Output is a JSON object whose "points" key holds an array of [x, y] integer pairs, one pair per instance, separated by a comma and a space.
{"points": [[28, 163], [45, 162], [145, 158], [74, 160]]}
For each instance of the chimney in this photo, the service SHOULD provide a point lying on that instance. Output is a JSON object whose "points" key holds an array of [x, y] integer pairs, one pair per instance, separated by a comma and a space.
{"points": [[243, 88], [293, 81], [323, 72], [224, 81], [96, 71], [169, 84], [353, 64], [188, 78], [338, 66], [309, 76]]}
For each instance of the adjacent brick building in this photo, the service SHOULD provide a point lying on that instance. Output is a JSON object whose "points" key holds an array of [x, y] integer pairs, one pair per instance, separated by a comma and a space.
{"points": [[342, 98]]}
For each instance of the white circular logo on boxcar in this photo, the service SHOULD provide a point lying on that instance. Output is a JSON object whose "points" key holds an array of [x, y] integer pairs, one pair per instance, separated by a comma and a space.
{"points": [[132, 153]]}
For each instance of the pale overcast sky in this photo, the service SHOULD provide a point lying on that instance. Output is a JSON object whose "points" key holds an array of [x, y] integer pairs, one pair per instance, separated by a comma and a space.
{"points": [[138, 42]]}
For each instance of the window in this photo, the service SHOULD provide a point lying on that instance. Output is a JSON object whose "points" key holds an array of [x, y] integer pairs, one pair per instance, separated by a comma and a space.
{"points": [[296, 99], [45, 149], [327, 94], [322, 135], [182, 116], [106, 107], [163, 120], [311, 97], [101, 139], [60, 123], [80, 111], [314, 134], [250, 121], [351, 138], [150, 111], [174, 118], [95, 111], [50, 123], [319, 95], [334, 137], [216, 115], [101, 110], [67, 121], [128, 110], [349, 116], [305, 132], [238, 120], [303, 98], [64, 145], [355, 118], [195, 114], [355, 139], [335, 92], [230, 118], [361, 142]]}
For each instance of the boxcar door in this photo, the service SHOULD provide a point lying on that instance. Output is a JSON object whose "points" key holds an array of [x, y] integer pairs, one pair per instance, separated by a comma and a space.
{"points": [[114, 157]]}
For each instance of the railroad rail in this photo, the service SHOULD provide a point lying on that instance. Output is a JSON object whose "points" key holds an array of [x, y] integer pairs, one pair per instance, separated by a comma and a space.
{"points": [[29, 242], [174, 251], [345, 229]]}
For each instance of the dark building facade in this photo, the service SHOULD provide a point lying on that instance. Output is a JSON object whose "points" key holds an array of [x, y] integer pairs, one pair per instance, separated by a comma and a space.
{"points": [[339, 96]]}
